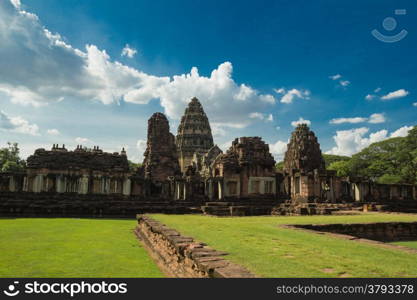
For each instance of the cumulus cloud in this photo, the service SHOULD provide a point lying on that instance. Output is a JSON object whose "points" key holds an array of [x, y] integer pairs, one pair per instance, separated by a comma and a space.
{"points": [[348, 120], [395, 95], [129, 51], [48, 69], [278, 149], [261, 116], [373, 119], [351, 141], [83, 140], [141, 147], [401, 132], [300, 121], [53, 131], [376, 118], [17, 124], [288, 96]]}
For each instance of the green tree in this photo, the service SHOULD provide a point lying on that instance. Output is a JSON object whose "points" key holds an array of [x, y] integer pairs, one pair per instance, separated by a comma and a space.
{"points": [[342, 168], [10, 160], [331, 158]]}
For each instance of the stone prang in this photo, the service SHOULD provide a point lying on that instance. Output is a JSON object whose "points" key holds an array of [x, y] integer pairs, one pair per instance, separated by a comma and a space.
{"points": [[303, 152], [194, 134], [161, 158]]}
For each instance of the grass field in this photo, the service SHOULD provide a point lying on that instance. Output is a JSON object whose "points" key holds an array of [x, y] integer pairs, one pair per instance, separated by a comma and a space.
{"points": [[263, 247], [72, 248], [410, 244]]}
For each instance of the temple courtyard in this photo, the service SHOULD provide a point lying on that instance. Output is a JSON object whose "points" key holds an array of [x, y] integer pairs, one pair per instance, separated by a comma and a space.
{"points": [[67, 247]]}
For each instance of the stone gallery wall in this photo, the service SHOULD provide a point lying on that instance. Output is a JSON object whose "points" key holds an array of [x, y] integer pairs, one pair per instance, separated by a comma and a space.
{"points": [[385, 232], [182, 257]]}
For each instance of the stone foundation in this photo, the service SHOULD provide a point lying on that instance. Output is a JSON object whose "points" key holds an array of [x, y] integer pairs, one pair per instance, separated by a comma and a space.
{"points": [[384, 232], [75, 205], [182, 257]]}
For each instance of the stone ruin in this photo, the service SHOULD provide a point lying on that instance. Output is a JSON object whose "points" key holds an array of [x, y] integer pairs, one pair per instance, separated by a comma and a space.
{"points": [[191, 174], [303, 152], [194, 134], [160, 158]]}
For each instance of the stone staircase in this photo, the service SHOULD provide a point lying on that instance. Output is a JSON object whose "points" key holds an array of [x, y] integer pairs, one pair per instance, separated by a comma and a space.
{"points": [[239, 207]]}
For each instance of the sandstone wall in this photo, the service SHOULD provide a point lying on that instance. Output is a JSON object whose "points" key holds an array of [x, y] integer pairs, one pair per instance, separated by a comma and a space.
{"points": [[182, 257], [386, 232]]}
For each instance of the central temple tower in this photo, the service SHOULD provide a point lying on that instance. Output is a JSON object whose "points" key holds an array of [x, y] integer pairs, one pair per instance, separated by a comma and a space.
{"points": [[194, 134]]}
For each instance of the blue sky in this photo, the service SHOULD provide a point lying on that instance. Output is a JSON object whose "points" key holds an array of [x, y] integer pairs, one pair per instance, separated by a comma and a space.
{"points": [[258, 67]]}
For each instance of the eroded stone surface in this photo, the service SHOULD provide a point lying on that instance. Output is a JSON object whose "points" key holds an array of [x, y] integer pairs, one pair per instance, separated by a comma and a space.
{"points": [[303, 152], [161, 159], [194, 134], [183, 257]]}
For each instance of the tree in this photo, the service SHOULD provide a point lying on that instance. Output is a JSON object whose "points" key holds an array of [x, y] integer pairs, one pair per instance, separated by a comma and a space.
{"points": [[133, 166], [10, 160], [342, 168], [279, 166], [331, 158]]}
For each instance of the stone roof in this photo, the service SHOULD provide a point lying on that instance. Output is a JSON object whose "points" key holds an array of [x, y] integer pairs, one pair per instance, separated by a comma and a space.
{"points": [[194, 132], [81, 158], [303, 152], [247, 151], [160, 157]]}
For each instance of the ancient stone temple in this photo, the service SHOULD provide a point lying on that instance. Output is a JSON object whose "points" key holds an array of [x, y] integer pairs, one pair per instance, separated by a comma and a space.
{"points": [[307, 178], [303, 152], [160, 158], [194, 134], [246, 169], [80, 171]]}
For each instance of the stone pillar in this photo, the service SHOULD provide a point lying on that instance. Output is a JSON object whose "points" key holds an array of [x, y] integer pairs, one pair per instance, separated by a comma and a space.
{"points": [[83, 185], [127, 187], [220, 190], [12, 184]]}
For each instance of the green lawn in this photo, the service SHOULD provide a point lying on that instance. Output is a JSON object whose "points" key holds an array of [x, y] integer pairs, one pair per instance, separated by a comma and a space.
{"points": [[410, 244], [270, 251], [72, 248]]}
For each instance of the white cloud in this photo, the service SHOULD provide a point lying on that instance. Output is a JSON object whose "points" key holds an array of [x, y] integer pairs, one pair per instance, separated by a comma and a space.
{"points": [[351, 141], [335, 77], [261, 116], [415, 104], [290, 95], [374, 119], [48, 69], [53, 132], [16, 3], [348, 120], [401, 132], [300, 121], [377, 118], [17, 124], [141, 147], [344, 83], [369, 97], [82, 140], [396, 94], [377, 90], [256, 115], [129, 51], [278, 149]]}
